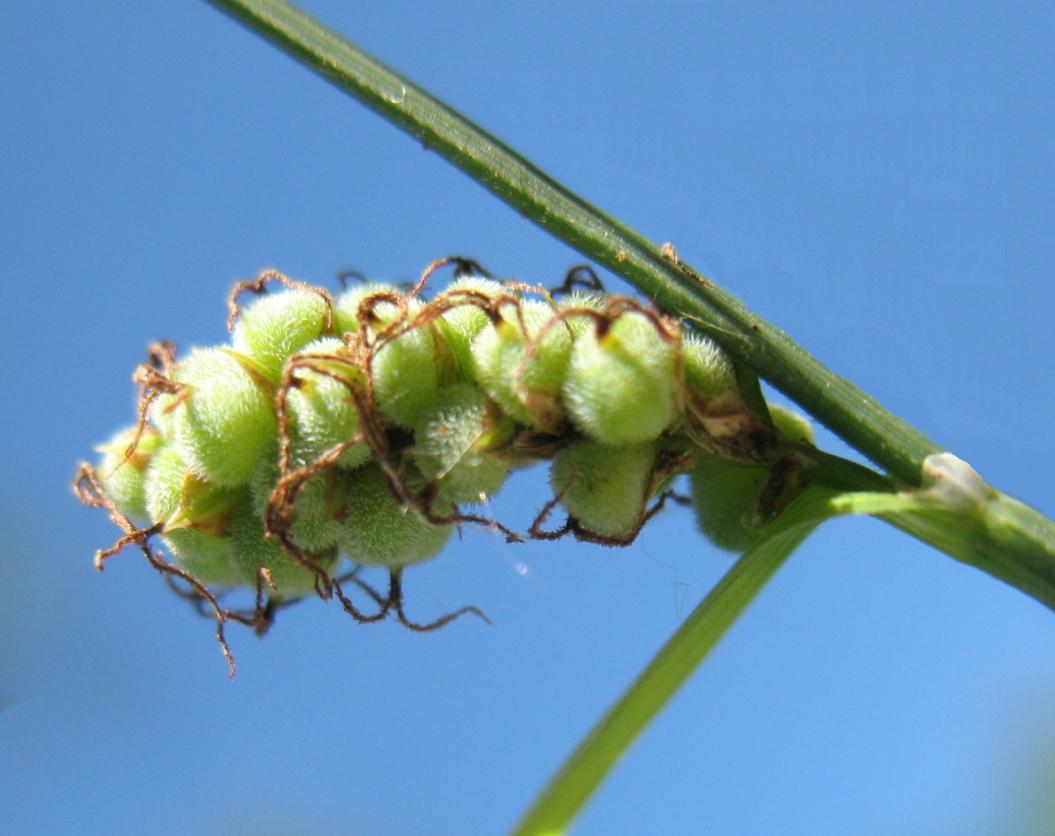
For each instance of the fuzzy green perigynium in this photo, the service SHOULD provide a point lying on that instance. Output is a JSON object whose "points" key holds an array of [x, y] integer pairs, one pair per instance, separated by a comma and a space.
{"points": [[519, 369], [225, 418], [620, 387], [196, 517], [276, 325], [706, 367], [726, 497], [123, 476], [791, 425], [320, 501], [460, 325], [252, 551], [459, 444], [379, 531], [404, 370], [321, 411], [604, 487]]}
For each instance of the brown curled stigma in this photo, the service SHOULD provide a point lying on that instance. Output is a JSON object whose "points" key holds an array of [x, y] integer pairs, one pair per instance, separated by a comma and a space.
{"points": [[89, 490], [154, 379], [259, 286]]}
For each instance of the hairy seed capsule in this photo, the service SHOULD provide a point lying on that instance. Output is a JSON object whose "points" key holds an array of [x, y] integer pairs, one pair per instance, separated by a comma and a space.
{"points": [[460, 444], [321, 410], [520, 370], [792, 425], [707, 368], [404, 371], [162, 414], [726, 497], [124, 478], [277, 325], [252, 552], [603, 487], [620, 386], [319, 506], [460, 325], [591, 300], [378, 531], [225, 418], [196, 516]]}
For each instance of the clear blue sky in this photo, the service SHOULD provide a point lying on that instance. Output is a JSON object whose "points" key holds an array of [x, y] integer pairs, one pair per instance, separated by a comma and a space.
{"points": [[877, 181]]}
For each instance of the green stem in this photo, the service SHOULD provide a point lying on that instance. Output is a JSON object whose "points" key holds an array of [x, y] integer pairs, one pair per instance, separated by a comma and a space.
{"points": [[839, 404], [570, 788]]}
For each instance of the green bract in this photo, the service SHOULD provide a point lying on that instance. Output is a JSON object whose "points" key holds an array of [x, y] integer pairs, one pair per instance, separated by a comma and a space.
{"points": [[379, 531], [604, 487], [225, 417], [459, 444], [404, 371], [620, 386], [321, 410], [275, 326], [519, 370]]}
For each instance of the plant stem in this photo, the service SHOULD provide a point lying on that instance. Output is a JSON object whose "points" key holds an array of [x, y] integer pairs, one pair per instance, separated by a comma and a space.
{"points": [[581, 774], [836, 402]]}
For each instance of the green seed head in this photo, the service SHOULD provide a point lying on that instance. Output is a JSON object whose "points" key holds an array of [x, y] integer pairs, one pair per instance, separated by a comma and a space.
{"points": [[124, 479], [603, 487], [321, 411], [252, 552], [277, 325], [226, 417], [726, 497], [527, 386], [378, 531], [460, 444], [620, 386]]}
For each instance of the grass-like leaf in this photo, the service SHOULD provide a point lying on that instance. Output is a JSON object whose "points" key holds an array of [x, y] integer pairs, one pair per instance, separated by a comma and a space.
{"points": [[582, 773]]}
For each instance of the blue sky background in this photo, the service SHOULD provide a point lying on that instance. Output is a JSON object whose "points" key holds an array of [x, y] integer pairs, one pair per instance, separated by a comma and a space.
{"points": [[878, 181]]}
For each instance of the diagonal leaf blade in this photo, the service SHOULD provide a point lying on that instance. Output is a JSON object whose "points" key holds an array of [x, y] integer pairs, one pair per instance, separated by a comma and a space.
{"points": [[571, 787]]}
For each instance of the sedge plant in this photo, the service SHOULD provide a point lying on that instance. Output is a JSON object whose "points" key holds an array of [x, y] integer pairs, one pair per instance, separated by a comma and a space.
{"points": [[362, 429]]}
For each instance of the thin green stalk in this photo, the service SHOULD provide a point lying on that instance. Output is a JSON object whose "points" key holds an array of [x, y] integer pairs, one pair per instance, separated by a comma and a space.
{"points": [[581, 774]]}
